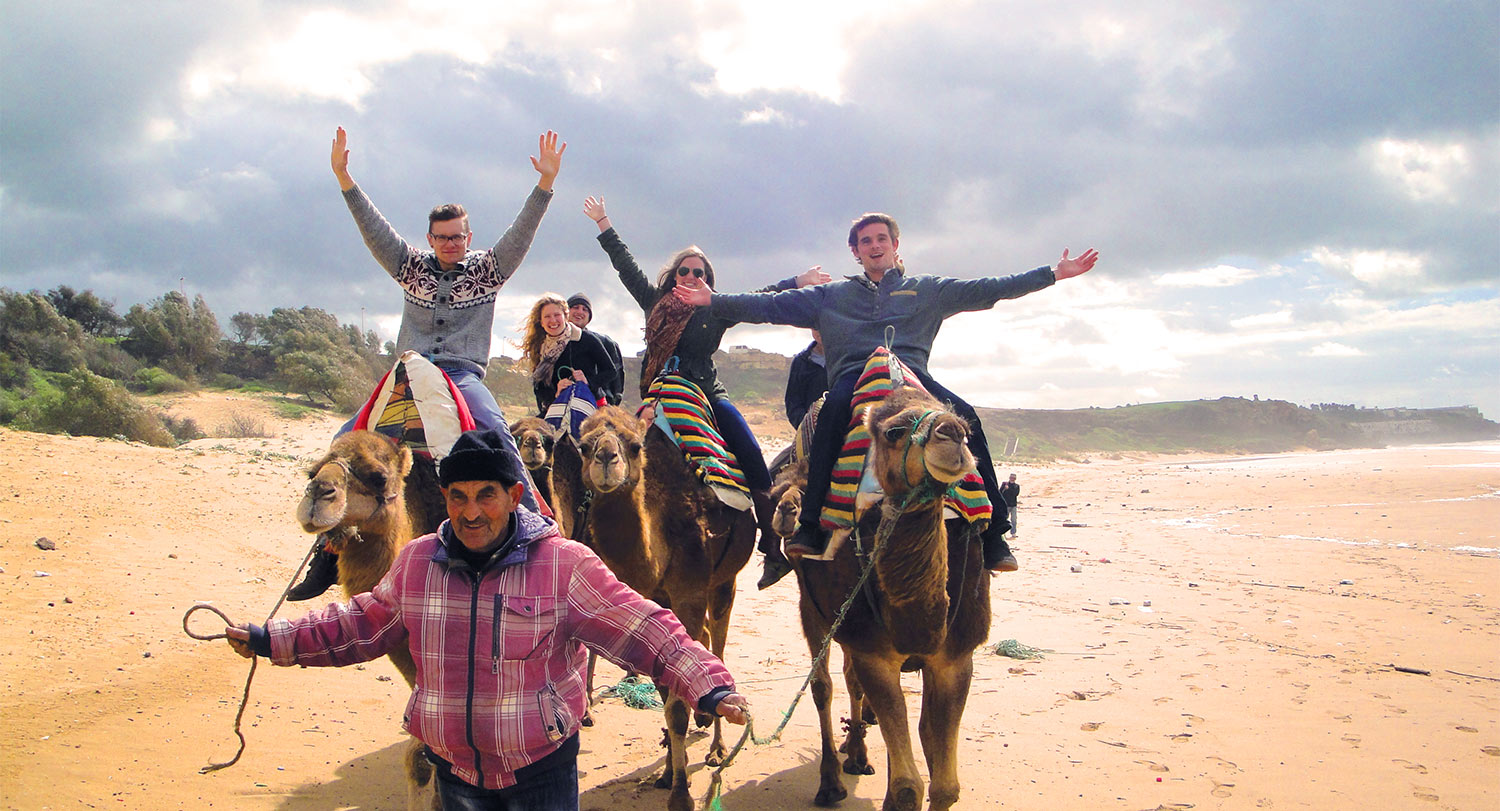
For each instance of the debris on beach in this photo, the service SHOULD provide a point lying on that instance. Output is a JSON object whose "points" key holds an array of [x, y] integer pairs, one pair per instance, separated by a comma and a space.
{"points": [[636, 692], [45, 544], [1015, 650]]}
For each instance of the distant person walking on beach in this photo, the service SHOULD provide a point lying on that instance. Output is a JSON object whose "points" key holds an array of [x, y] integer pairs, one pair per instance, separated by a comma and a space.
{"points": [[1010, 493]]}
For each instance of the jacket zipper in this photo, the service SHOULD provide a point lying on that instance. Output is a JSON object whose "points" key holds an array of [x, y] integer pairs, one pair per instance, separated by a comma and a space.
{"points": [[469, 699]]}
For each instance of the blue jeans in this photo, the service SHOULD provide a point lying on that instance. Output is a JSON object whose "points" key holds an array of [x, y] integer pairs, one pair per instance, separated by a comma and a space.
{"points": [[553, 790], [487, 415]]}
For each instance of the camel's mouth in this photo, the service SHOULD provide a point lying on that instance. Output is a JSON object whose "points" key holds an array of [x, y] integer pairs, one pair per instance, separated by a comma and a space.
{"points": [[609, 475]]}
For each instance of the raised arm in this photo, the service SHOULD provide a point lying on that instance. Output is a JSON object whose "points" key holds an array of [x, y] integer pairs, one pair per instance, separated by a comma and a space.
{"points": [[512, 246], [387, 246], [620, 257]]}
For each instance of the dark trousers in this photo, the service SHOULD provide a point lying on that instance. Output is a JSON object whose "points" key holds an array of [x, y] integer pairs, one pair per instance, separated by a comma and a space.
{"points": [[828, 440], [742, 443], [552, 789]]}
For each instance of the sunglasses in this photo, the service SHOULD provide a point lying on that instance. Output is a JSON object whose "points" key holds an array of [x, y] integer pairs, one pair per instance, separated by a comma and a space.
{"points": [[682, 271]]}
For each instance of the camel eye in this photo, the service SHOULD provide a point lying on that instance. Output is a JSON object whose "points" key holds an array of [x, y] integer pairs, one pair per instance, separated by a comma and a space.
{"points": [[374, 481], [895, 433], [633, 447]]}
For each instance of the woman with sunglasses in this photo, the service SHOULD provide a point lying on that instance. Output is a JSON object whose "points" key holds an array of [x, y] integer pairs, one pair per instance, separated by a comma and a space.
{"points": [[690, 334], [558, 353]]}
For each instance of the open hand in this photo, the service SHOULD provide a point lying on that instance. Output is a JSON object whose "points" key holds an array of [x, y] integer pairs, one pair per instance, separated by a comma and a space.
{"points": [[813, 275], [594, 208], [551, 158], [340, 159], [1068, 268]]}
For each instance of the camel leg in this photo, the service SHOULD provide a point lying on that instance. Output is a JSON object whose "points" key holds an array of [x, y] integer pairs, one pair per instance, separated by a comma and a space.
{"points": [[675, 776], [945, 691], [858, 760], [421, 789], [882, 682], [830, 784], [691, 614], [720, 606]]}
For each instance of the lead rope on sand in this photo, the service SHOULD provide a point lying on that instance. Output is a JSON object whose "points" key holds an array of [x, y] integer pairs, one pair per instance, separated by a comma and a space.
{"points": [[882, 532], [254, 660]]}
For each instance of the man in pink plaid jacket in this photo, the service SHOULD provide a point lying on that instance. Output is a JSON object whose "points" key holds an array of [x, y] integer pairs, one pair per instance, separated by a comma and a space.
{"points": [[497, 607]]}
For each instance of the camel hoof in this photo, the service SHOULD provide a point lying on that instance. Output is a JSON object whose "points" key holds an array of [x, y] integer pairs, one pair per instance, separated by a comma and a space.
{"points": [[680, 801], [702, 719], [830, 795], [904, 795], [868, 715], [714, 758], [851, 766], [665, 781], [588, 719]]}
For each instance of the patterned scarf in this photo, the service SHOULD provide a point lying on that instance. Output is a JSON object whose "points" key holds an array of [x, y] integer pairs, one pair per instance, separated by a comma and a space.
{"points": [[552, 349], [664, 328]]}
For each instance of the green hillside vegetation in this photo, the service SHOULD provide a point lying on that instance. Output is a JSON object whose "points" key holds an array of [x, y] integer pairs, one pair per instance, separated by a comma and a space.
{"points": [[69, 363]]}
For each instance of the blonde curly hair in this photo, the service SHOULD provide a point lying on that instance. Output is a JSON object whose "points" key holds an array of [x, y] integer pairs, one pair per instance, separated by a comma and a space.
{"points": [[531, 330]]}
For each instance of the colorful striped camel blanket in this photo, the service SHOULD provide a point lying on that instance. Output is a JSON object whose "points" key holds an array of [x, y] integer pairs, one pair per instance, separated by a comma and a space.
{"points": [[416, 405], [684, 414], [853, 487]]}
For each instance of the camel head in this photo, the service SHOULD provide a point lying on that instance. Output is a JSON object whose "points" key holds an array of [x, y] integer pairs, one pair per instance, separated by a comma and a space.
{"points": [[786, 496], [534, 439], [914, 439], [362, 474], [610, 443]]}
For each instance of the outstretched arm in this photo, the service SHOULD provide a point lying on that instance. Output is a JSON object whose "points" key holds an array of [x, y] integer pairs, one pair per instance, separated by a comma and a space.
{"points": [[1068, 268], [550, 160], [340, 159]]}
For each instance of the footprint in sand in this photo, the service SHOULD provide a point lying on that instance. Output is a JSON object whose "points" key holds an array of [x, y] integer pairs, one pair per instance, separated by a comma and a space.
{"points": [[1466, 729], [1163, 699], [1154, 766], [1192, 719], [1221, 789], [1416, 767], [1352, 740], [1425, 793], [1226, 764], [1492, 751], [1090, 726]]}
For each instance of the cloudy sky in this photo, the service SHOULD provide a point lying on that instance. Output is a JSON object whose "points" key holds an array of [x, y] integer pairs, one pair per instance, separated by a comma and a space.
{"points": [[1291, 200]]}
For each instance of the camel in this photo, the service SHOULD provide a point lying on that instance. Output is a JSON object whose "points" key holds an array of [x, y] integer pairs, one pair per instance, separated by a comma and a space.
{"points": [[534, 439], [626, 491], [926, 607], [365, 496]]}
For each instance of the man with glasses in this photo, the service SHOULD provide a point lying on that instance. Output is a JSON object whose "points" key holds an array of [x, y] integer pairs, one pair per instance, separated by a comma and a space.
{"points": [[450, 298]]}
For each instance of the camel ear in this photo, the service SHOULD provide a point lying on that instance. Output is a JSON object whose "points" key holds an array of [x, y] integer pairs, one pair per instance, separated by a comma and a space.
{"points": [[403, 463]]}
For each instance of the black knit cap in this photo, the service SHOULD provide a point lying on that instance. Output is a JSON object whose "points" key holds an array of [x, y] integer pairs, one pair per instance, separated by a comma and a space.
{"points": [[579, 298], [480, 456]]}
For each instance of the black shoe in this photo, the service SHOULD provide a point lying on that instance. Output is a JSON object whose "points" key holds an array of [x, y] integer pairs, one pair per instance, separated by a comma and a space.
{"points": [[807, 541], [321, 573], [776, 567], [997, 554]]}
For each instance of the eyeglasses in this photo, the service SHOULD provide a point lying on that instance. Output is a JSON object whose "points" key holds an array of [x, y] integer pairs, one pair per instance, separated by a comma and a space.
{"points": [[448, 238], [682, 271]]}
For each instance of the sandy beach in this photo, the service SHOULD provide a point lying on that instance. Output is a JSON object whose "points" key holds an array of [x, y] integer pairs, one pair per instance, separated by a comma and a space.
{"points": [[1230, 639]]}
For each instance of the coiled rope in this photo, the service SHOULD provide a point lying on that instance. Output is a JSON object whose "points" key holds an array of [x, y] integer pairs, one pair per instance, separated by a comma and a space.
{"points": [[254, 660]]}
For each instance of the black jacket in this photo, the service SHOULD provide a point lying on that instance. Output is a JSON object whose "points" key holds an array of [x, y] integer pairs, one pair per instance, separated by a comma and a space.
{"points": [[805, 383], [616, 391], [588, 355]]}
